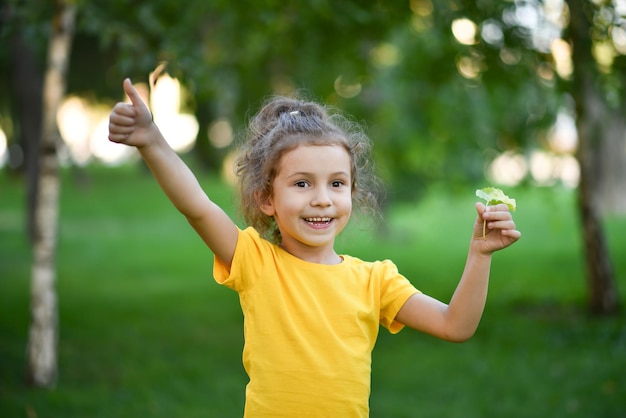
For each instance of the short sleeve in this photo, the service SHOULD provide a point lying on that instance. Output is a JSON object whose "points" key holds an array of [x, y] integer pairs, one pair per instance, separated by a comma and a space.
{"points": [[395, 290], [245, 265]]}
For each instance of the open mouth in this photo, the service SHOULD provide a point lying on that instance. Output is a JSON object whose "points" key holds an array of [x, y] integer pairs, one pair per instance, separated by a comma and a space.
{"points": [[318, 221]]}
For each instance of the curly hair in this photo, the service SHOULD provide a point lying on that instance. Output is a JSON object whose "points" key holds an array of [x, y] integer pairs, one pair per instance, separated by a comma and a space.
{"points": [[281, 125]]}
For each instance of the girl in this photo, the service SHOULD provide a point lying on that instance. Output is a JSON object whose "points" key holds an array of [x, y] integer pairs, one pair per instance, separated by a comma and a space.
{"points": [[311, 316]]}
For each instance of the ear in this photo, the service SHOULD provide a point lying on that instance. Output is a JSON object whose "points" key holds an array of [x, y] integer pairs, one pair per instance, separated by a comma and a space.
{"points": [[265, 204]]}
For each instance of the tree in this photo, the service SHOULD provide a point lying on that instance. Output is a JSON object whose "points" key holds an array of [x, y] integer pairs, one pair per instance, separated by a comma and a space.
{"points": [[599, 128], [24, 86], [445, 108], [501, 89], [597, 88], [43, 334], [435, 104]]}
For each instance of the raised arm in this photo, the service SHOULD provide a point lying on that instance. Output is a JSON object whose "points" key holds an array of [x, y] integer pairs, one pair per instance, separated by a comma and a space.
{"points": [[131, 124], [458, 320]]}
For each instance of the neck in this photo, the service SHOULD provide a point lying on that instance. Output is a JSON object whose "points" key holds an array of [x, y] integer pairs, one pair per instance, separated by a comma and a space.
{"points": [[315, 255]]}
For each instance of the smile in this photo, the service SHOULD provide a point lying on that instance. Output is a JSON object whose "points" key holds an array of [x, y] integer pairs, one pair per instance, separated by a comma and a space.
{"points": [[318, 220]]}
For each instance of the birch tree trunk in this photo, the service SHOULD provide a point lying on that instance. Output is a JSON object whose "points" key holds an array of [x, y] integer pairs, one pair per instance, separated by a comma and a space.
{"points": [[43, 333], [595, 124]]}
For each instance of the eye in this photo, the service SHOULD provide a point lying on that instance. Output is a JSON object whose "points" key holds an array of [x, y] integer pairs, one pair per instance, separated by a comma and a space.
{"points": [[301, 183], [337, 183]]}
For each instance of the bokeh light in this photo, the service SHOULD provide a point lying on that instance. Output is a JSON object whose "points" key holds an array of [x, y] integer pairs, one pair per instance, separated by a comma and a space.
{"points": [[221, 133], [180, 130], [562, 55], [84, 125], [385, 55], [464, 31], [491, 32], [508, 169], [347, 90], [74, 126], [3, 148], [106, 151], [468, 67]]}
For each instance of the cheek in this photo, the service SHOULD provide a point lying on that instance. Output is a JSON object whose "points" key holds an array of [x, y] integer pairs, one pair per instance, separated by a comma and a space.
{"points": [[346, 201], [284, 204]]}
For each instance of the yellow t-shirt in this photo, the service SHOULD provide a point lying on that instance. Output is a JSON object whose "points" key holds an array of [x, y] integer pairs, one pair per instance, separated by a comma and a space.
{"points": [[310, 328]]}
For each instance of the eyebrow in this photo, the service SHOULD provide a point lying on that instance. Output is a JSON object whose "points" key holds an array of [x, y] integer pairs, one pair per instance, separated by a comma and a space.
{"points": [[305, 173]]}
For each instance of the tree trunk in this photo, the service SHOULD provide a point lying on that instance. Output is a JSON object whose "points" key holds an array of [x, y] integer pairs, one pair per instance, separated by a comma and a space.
{"points": [[206, 154], [27, 89], [591, 111], [43, 335], [611, 161]]}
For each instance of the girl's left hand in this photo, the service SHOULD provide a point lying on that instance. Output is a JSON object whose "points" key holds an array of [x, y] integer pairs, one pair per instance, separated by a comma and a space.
{"points": [[499, 230]]}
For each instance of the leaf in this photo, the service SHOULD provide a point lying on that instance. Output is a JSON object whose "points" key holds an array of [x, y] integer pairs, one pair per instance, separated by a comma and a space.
{"points": [[495, 196]]}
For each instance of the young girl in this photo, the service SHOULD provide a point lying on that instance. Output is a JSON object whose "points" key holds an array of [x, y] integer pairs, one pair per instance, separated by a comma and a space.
{"points": [[311, 316]]}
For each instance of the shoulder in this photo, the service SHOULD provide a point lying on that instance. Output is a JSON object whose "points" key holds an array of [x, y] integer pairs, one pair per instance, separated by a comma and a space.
{"points": [[250, 236], [374, 265], [249, 261], [380, 269]]}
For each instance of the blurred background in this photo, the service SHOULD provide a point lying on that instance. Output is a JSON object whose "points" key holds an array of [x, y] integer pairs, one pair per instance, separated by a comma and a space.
{"points": [[526, 95]]}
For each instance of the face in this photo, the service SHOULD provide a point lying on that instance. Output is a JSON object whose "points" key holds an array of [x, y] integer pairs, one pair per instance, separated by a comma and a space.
{"points": [[312, 200]]}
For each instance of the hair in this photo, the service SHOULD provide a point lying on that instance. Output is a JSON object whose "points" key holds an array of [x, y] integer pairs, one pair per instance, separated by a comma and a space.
{"points": [[283, 124]]}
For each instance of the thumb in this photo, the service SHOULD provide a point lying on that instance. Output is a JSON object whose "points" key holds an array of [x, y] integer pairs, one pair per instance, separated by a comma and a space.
{"points": [[132, 93], [480, 209]]}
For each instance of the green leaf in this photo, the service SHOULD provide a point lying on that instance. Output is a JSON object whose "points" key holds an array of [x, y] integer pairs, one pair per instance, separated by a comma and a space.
{"points": [[495, 196]]}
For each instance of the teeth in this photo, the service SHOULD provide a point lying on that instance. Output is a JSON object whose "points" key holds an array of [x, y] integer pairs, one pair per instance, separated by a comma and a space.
{"points": [[317, 219]]}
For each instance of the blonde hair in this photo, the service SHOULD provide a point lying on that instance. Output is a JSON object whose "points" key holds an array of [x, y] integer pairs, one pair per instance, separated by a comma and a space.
{"points": [[281, 125]]}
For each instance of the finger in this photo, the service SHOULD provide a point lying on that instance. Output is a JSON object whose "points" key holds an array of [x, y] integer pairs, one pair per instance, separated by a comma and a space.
{"points": [[132, 93], [121, 129], [119, 119], [119, 133], [123, 109], [495, 215], [512, 233], [502, 225], [498, 208], [480, 209], [117, 137]]}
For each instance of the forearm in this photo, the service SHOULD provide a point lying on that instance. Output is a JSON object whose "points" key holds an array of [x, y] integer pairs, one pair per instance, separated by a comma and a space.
{"points": [[466, 307], [458, 320], [174, 176]]}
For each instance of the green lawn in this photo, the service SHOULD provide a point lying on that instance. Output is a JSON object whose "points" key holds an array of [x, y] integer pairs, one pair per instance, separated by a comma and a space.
{"points": [[144, 330]]}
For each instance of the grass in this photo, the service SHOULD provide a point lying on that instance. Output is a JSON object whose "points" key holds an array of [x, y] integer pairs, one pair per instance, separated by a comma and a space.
{"points": [[144, 330]]}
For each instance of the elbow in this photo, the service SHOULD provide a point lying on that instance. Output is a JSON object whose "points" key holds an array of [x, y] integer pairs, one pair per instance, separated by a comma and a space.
{"points": [[459, 336], [460, 339]]}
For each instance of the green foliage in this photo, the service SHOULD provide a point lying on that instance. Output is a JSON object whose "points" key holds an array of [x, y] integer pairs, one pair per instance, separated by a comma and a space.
{"points": [[432, 123], [495, 196], [144, 330], [247, 44], [428, 122]]}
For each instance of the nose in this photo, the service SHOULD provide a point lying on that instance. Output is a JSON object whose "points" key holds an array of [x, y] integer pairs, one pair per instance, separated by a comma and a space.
{"points": [[321, 198]]}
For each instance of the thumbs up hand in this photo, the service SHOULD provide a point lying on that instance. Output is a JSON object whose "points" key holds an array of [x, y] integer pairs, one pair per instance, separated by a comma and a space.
{"points": [[131, 123]]}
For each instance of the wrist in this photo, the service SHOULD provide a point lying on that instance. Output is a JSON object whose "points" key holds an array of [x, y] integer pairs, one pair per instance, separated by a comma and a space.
{"points": [[151, 138], [477, 249]]}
